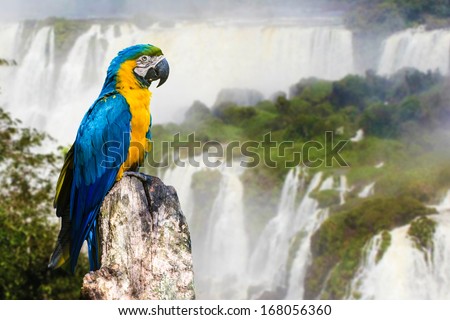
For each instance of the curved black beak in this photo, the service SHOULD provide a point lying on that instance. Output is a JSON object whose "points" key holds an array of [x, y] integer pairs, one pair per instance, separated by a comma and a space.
{"points": [[159, 72]]}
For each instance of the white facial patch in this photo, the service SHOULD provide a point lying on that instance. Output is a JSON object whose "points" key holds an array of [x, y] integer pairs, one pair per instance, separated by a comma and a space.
{"points": [[143, 63]]}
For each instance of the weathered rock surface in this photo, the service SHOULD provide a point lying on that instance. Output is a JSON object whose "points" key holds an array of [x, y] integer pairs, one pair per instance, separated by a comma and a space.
{"points": [[145, 244]]}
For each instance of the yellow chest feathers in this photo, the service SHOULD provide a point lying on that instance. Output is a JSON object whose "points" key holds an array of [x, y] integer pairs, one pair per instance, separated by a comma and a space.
{"points": [[138, 99]]}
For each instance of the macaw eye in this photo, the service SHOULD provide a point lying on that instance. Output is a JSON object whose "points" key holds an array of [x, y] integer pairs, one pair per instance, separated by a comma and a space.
{"points": [[144, 59]]}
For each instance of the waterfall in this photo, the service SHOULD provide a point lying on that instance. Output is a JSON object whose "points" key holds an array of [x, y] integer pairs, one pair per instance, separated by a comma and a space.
{"points": [[10, 35], [278, 263], [78, 82], [52, 90], [267, 262], [220, 245], [343, 188], [225, 248], [309, 218], [181, 179], [359, 136], [28, 88], [417, 48], [224, 265], [54, 95], [404, 271], [367, 191]]}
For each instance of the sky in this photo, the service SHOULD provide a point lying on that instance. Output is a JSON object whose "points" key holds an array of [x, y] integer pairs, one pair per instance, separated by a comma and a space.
{"points": [[32, 9]]}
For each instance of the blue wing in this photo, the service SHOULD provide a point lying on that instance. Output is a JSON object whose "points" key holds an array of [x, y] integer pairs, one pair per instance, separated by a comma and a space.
{"points": [[100, 148]]}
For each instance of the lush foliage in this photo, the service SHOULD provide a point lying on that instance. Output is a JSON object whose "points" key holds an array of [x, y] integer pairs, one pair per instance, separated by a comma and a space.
{"points": [[341, 238], [399, 116], [404, 119], [422, 231], [27, 227], [393, 15]]}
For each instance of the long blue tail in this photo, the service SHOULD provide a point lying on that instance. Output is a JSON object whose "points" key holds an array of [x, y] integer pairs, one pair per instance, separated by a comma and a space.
{"points": [[94, 247]]}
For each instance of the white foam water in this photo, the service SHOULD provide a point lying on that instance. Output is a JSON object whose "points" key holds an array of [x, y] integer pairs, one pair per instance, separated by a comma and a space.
{"points": [[204, 58], [404, 271]]}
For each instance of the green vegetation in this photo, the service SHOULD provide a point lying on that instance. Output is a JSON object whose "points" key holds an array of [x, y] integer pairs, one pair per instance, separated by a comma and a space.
{"points": [[294, 246], [421, 231], [326, 198], [399, 116], [404, 119], [67, 32], [338, 244], [26, 235], [4, 62], [392, 15], [205, 187], [385, 243]]}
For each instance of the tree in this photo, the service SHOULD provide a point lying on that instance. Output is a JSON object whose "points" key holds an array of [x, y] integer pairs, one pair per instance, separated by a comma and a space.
{"points": [[379, 120], [27, 227], [350, 91]]}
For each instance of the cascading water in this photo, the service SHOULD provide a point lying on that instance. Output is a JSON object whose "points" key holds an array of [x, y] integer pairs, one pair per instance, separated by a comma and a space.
{"points": [[343, 188], [267, 263], [309, 218], [417, 48], [225, 248], [29, 94], [10, 35], [79, 80], [222, 258], [54, 94], [404, 270], [220, 247], [181, 179], [275, 269], [367, 191]]}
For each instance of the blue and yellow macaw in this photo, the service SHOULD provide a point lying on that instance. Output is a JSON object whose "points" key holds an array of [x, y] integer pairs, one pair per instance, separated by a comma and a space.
{"points": [[113, 138]]}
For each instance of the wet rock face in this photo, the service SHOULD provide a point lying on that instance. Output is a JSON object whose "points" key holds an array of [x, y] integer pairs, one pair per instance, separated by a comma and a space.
{"points": [[145, 244]]}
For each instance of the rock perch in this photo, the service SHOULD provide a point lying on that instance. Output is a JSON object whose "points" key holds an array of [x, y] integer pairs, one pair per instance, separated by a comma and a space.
{"points": [[145, 244]]}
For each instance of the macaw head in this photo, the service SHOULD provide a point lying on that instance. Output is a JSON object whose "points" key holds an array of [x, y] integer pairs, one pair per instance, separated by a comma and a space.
{"points": [[142, 64]]}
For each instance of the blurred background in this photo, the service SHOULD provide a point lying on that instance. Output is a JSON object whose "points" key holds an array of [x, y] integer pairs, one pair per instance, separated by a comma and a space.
{"points": [[374, 73]]}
